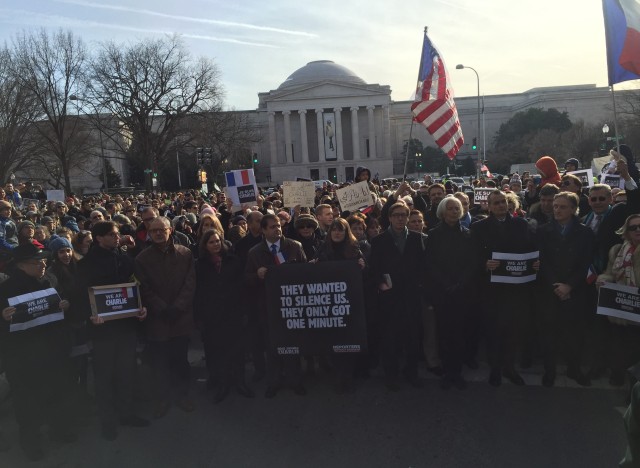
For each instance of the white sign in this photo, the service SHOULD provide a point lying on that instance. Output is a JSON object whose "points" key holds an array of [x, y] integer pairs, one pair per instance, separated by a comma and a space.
{"points": [[298, 193], [612, 180], [514, 268], [241, 187], [354, 197], [55, 195], [481, 195], [617, 300], [35, 309]]}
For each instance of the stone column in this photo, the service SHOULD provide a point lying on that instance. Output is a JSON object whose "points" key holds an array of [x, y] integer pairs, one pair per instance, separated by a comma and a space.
{"points": [[303, 136], [355, 133], [273, 142], [320, 130], [372, 132], [386, 132], [338, 112], [287, 136]]}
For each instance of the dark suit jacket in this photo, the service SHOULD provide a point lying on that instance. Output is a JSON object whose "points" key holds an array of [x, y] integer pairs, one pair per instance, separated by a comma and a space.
{"points": [[407, 269]]}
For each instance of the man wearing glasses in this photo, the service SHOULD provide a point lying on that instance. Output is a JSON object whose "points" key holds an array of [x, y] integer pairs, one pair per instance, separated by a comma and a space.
{"points": [[167, 280], [397, 266], [114, 342]]}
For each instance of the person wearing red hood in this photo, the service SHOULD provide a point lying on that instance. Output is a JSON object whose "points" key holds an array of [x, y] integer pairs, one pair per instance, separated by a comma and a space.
{"points": [[548, 169]]}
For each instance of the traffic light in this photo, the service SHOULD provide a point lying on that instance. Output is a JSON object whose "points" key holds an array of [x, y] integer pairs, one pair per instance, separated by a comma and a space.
{"points": [[202, 176], [155, 174], [419, 164], [207, 156], [255, 158], [199, 156], [474, 144]]}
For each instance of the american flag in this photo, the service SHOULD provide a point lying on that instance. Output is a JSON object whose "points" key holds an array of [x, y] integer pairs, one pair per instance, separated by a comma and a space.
{"points": [[434, 107]]}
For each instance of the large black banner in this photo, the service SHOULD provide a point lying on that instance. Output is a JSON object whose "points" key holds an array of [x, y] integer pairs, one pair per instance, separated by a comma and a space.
{"points": [[316, 308]]}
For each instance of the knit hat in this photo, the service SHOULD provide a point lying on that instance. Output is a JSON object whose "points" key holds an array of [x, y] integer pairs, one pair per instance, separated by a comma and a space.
{"points": [[573, 162], [59, 243], [23, 224], [305, 219]]}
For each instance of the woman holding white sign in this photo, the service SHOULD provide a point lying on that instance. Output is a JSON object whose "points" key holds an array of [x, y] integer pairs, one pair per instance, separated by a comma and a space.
{"points": [[624, 268]]}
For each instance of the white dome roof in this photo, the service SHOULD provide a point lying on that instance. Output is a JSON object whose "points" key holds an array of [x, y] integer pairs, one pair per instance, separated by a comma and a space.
{"points": [[321, 70]]}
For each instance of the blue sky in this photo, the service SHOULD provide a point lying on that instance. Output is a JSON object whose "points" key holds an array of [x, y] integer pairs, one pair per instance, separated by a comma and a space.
{"points": [[514, 46]]}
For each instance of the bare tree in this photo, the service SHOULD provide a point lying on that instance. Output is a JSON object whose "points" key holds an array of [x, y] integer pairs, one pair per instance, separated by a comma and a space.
{"points": [[230, 135], [18, 110], [51, 68], [150, 86]]}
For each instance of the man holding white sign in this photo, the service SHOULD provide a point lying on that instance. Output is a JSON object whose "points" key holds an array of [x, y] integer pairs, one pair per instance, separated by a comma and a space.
{"points": [[35, 354], [114, 342], [501, 232]]}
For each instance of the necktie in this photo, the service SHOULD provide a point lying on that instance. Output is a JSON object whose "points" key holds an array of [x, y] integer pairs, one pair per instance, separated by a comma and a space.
{"points": [[596, 223], [274, 249]]}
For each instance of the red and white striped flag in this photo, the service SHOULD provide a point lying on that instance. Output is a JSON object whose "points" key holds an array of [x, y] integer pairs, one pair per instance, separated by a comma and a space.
{"points": [[434, 107]]}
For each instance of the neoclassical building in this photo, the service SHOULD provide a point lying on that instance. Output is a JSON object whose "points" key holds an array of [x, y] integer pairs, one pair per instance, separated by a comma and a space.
{"points": [[324, 121]]}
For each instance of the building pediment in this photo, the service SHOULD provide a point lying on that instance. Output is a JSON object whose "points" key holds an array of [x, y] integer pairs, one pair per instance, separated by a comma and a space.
{"points": [[329, 90]]}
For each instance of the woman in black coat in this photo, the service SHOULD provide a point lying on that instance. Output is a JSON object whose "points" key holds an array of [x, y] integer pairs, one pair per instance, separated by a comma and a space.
{"points": [[450, 272], [219, 276], [566, 251], [341, 245]]}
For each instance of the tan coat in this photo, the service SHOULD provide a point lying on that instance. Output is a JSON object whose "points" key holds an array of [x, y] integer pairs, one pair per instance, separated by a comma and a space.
{"points": [[609, 277], [167, 278]]}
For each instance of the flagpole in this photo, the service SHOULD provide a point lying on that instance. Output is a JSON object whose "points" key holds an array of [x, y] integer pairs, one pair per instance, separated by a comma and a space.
{"points": [[406, 156], [615, 119]]}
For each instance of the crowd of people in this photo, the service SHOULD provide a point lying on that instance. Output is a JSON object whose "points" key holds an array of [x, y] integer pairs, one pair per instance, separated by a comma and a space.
{"points": [[426, 256]]}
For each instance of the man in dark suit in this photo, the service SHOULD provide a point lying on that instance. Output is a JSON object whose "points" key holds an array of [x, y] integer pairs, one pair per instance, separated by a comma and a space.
{"points": [[271, 252], [397, 265], [501, 232]]}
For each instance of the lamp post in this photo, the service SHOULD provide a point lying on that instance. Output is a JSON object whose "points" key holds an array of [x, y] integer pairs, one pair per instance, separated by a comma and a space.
{"points": [[461, 67]]}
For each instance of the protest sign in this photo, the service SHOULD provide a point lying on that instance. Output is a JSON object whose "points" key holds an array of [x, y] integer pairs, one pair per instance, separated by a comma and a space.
{"points": [[316, 308], [298, 193], [55, 195], [34, 309], [585, 175], [617, 300], [354, 197], [241, 186], [514, 268], [612, 180], [115, 301], [481, 195]]}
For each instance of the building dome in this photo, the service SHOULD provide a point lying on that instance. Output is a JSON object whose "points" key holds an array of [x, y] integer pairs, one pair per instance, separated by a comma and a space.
{"points": [[321, 70]]}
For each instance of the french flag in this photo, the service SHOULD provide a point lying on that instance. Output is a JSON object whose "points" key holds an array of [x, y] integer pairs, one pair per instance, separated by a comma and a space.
{"points": [[238, 178], [622, 29]]}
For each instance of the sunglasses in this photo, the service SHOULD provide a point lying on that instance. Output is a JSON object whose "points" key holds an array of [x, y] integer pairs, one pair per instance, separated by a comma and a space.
{"points": [[306, 226], [595, 199], [633, 227]]}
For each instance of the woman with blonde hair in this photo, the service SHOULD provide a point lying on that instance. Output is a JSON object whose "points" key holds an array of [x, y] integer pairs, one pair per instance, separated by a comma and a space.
{"points": [[624, 268]]}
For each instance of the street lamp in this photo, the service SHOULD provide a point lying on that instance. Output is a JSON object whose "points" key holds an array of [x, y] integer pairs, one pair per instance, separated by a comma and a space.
{"points": [[461, 67]]}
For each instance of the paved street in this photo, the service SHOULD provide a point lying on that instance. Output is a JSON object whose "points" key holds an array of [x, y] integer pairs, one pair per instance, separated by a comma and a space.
{"points": [[509, 426]]}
